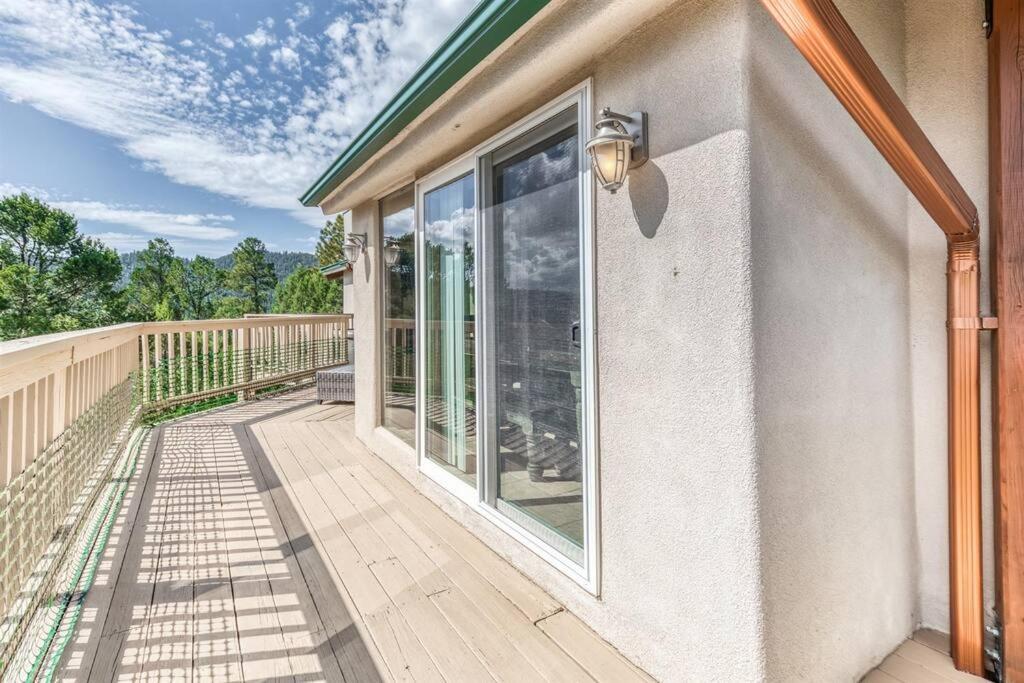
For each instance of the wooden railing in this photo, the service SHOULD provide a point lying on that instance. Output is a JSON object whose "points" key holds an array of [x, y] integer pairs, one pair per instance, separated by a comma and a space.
{"points": [[69, 401], [186, 361], [399, 356]]}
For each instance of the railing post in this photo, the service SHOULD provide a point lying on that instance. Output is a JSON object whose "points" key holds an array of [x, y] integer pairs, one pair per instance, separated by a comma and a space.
{"points": [[244, 342], [144, 341]]}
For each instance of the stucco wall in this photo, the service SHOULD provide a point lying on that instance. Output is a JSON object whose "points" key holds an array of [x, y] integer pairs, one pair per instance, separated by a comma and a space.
{"points": [[947, 92], [678, 460], [679, 540], [849, 291], [770, 335], [831, 307]]}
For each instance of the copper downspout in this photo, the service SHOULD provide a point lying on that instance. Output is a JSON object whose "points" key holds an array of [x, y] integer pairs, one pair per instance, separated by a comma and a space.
{"points": [[824, 38]]}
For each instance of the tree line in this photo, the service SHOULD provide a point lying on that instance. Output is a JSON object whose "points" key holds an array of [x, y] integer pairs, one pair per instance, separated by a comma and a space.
{"points": [[54, 279]]}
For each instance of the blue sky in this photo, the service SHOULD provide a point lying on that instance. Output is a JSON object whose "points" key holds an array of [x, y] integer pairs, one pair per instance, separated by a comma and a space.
{"points": [[200, 121]]}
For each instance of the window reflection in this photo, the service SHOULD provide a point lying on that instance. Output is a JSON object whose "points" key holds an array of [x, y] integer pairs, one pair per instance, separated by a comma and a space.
{"points": [[449, 319], [398, 226], [534, 276]]}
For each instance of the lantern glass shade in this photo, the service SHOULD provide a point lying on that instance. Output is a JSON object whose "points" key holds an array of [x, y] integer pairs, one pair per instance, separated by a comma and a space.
{"points": [[610, 160], [392, 252], [352, 250]]}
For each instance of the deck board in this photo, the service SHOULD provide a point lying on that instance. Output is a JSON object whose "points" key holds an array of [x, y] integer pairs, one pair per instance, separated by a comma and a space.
{"points": [[922, 658], [263, 541]]}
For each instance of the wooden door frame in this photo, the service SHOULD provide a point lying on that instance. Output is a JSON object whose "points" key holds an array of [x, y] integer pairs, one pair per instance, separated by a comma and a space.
{"points": [[1006, 188]]}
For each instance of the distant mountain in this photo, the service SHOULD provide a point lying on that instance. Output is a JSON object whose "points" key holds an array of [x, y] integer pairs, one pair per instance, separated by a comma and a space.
{"points": [[284, 262]]}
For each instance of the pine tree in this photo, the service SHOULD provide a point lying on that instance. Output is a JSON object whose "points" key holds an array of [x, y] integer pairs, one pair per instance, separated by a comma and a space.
{"points": [[252, 275], [307, 291], [330, 245], [153, 283], [199, 282], [52, 278]]}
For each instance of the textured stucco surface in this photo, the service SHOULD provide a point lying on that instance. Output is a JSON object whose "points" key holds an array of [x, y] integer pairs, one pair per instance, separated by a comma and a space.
{"points": [[947, 92], [770, 306], [678, 482], [832, 372]]}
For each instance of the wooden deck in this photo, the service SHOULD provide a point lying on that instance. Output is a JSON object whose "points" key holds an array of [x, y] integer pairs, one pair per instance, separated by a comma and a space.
{"points": [[924, 658], [263, 541]]}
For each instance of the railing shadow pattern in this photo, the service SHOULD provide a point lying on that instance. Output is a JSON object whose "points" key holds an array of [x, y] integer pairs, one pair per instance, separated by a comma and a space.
{"points": [[68, 401]]}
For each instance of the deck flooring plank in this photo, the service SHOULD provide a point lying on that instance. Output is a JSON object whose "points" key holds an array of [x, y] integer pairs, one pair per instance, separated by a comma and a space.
{"points": [[504, 619], [240, 599], [296, 598], [167, 641], [526, 595], [933, 661], [218, 652], [270, 544], [936, 640], [589, 650], [108, 608], [907, 671], [879, 676], [396, 644], [339, 630], [453, 656], [499, 655]]}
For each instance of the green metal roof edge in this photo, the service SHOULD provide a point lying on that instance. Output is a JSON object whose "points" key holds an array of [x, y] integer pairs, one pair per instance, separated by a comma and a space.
{"points": [[489, 24], [334, 267]]}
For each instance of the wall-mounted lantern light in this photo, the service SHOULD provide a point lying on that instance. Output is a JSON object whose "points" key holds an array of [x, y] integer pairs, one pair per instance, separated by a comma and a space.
{"points": [[392, 252], [620, 144], [354, 246]]}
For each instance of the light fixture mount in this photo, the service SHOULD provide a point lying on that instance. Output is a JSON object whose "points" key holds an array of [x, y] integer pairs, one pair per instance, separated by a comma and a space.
{"points": [[354, 246], [392, 252], [619, 146]]}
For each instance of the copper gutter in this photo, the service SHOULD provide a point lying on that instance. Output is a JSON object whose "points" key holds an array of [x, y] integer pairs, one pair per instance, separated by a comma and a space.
{"points": [[824, 38]]}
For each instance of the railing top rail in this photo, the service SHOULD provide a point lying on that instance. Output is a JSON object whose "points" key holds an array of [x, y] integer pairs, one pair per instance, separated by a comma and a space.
{"points": [[23, 361], [29, 345], [236, 323], [293, 315]]}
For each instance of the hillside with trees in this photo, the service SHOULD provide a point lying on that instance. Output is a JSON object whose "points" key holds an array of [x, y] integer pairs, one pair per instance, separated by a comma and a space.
{"points": [[54, 279], [284, 262]]}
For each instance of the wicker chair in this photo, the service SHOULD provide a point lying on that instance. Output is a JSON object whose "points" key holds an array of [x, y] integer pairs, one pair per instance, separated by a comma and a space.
{"points": [[336, 384]]}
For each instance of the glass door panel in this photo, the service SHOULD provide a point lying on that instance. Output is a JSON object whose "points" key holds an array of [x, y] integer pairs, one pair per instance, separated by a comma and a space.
{"points": [[449, 381], [399, 357], [534, 338]]}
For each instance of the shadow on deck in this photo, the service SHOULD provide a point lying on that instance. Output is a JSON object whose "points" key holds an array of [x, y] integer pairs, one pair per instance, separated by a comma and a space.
{"points": [[262, 541]]}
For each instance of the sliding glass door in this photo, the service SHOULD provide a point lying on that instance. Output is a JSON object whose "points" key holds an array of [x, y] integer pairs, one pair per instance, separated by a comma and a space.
{"points": [[449, 315], [399, 313], [505, 363], [533, 275]]}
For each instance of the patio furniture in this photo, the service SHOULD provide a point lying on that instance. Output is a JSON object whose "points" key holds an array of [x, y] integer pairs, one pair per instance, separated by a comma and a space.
{"points": [[336, 384]]}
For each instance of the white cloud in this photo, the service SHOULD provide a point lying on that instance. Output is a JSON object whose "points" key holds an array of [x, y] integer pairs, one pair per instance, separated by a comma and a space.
{"points": [[188, 233], [259, 39], [186, 43], [285, 56], [338, 31], [98, 67], [187, 225], [123, 241]]}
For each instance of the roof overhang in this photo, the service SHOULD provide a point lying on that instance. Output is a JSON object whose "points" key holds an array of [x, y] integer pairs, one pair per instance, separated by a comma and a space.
{"points": [[336, 270], [489, 24]]}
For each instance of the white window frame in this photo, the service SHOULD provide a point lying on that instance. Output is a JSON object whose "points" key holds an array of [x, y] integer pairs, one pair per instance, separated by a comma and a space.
{"points": [[587, 574], [381, 322], [457, 487]]}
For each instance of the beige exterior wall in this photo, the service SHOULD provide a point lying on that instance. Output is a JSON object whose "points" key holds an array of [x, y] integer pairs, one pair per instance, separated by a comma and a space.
{"points": [[833, 360], [770, 308], [947, 91]]}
